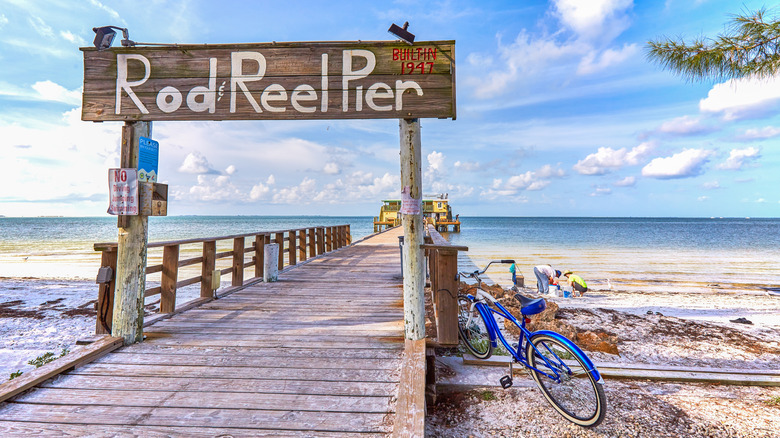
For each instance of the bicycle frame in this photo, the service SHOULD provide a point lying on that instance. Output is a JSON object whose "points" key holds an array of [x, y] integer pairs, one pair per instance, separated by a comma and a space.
{"points": [[494, 332]]}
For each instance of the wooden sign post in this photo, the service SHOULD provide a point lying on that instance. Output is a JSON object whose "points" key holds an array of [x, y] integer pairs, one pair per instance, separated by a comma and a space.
{"points": [[273, 81], [411, 220], [128, 315]]}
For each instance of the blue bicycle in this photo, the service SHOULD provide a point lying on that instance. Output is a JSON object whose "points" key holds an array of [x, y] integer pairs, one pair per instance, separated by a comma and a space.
{"points": [[567, 377]]}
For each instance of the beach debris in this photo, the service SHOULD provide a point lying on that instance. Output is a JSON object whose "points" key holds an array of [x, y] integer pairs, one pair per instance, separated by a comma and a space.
{"points": [[741, 320]]}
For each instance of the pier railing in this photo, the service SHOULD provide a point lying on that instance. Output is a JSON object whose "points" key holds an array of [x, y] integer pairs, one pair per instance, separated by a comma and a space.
{"points": [[443, 274], [216, 257]]}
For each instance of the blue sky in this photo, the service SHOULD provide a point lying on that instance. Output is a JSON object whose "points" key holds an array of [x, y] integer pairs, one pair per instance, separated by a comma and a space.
{"points": [[559, 113]]}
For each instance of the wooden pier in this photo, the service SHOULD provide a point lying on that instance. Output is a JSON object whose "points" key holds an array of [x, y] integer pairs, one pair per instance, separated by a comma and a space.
{"points": [[320, 353]]}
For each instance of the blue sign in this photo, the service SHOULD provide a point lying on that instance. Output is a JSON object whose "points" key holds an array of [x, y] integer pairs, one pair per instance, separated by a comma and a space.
{"points": [[148, 157]]}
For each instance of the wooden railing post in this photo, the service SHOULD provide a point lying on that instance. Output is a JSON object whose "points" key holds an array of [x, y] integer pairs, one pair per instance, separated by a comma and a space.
{"points": [[312, 242], [280, 242], [293, 245], [259, 254], [302, 245], [207, 268], [320, 240], [328, 239], [105, 304], [238, 262], [349, 235], [446, 296], [170, 274]]}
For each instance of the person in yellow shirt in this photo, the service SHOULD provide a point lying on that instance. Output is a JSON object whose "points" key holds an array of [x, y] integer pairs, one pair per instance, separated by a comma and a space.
{"points": [[578, 285]]}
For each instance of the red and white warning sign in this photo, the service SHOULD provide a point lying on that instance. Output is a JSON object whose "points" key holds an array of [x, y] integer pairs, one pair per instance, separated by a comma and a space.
{"points": [[123, 191]]}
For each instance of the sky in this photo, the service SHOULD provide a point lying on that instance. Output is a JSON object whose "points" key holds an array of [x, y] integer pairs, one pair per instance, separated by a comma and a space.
{"points": [[559, 113]]}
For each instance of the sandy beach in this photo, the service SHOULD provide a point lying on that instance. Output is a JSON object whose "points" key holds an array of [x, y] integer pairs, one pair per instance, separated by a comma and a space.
{"points": [[676, 329], [651, 327]]}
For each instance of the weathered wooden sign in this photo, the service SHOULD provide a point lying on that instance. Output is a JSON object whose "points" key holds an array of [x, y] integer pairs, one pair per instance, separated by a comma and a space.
{"points": [[276, 81]]}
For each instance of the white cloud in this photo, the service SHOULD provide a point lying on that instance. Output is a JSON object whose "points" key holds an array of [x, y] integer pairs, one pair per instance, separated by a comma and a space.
{"points": [[48, 90], [73, 38], [196, 163], [593, 19], [739, 158], [3, 20], [687, 163], [331, 168], [526, 57], [214, 188], [711, 185], [41, 28], [60, 168], [601, 191], [271, 180], [628, 181], [259, 191], [760, 134], [595, 62], [302, 193], [703, 198], [685, 125], [43, 90], [606, 160], [528, 181], [435, 169], [230, 170], [468, 166], [742, 98]]}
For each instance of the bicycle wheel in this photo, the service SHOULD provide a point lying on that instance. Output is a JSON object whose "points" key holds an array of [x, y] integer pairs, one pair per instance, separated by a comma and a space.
{"points": [[578, 396], [473, 330]]}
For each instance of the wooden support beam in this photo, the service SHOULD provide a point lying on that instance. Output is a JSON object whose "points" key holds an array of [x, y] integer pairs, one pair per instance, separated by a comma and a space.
{"points": [[445, 296], [78, 357], [105, 304], [280, 242], [170, 274], [259, 254], [723, 376], [302, 245], [128, 316], [411, 219], [291, 248], [320, 240], [410, 407], [312, 242], [208, 267], [238, 262]]}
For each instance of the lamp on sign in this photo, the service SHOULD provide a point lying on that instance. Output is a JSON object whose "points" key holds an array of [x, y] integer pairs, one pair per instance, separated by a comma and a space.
{"points": [[402, 33], [104, 37]]}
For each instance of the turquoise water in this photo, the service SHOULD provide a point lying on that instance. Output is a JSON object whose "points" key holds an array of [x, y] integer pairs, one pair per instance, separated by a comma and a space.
{"points": [[668, 254], [651, 254]]}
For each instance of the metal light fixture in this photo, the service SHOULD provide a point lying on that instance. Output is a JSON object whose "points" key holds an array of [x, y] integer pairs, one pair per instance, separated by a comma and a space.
{"points": [[402, 33], [104, 36]]}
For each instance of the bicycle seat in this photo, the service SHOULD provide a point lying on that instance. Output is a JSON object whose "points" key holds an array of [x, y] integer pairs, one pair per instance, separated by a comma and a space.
{"points": [[531, 306]]}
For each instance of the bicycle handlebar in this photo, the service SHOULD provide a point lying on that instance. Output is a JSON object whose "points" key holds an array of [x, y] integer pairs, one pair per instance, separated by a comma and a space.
{"points": [[478, 272]]}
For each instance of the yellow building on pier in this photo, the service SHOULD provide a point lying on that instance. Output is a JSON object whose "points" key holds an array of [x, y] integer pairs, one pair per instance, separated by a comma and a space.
{"points": [[437, 212]]}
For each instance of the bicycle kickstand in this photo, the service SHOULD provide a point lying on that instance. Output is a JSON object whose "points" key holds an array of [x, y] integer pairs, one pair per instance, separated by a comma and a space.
{"points": [[506, 381]]}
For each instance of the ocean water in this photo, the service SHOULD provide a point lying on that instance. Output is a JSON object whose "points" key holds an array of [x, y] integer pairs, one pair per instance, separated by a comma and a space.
{"points": [[648, 254], [644, 254]]}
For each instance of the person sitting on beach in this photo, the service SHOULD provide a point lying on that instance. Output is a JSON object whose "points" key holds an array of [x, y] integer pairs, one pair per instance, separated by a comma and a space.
{"points": [[545, 276], [578, 285]]}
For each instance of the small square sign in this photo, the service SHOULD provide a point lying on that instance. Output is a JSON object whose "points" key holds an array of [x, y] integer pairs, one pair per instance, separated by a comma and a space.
{"points": [[148, 157], [123, 192]]}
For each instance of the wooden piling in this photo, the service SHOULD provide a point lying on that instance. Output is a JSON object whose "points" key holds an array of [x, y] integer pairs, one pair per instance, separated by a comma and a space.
{"points": [[128, 316], [411, 218]]}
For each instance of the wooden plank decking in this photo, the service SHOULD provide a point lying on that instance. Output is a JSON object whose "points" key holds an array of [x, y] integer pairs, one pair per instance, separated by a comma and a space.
{"points": [[316, 354]]}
